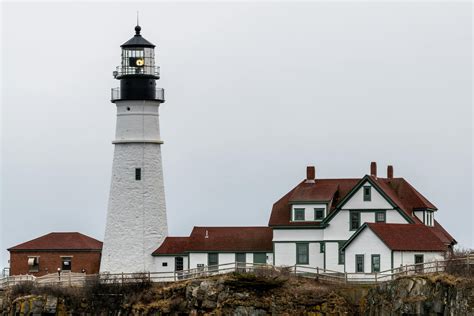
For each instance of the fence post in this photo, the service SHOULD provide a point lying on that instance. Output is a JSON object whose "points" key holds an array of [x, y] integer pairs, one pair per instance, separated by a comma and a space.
{"points": [[375, 277], [436, 266], [174, 274], [406, 269], [122, 277], [317, 270], [468, 264], [345, 277]]}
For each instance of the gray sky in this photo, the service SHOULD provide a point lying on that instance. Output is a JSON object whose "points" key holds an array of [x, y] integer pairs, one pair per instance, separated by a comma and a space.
{"points": [[255, 92]]}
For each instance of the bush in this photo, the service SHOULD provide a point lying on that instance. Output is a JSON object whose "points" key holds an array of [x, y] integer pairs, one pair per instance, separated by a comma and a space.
{"points": [[260, 281], [459, 265]]}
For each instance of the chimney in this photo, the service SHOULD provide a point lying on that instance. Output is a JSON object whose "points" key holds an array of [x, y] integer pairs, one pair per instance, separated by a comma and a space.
{"points": [[390, 172], [373, 169], [310, 174]]}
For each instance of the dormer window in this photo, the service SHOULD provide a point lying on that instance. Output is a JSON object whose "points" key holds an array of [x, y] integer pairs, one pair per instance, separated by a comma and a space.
{"points": [[318, 214], [429, 218], [298, 214], [367, 193]]}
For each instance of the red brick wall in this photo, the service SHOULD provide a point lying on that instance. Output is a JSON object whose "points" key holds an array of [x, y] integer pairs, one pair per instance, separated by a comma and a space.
{"points": [[88, 260]]}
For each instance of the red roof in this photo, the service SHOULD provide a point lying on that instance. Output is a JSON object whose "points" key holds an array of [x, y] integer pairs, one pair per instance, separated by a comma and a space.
{"points": [[232, 239], [330, 190], [333, 191], [407, 237], [172, 246], [60, 241]]}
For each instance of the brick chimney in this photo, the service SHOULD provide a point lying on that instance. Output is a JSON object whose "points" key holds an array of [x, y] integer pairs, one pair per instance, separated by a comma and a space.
{"points": [[390, 172], [310, 174], [373, 169]]}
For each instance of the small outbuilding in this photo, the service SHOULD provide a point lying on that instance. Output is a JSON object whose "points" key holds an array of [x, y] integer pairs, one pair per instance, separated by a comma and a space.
{"points": [[63, 251], [376, 247]]}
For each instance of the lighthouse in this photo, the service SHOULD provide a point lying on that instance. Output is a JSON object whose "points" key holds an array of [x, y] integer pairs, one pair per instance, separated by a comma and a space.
{"points": [[136, 216]]}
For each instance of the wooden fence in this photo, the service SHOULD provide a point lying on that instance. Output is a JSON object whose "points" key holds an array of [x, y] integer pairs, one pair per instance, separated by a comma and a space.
{"points": [[79, 279]]}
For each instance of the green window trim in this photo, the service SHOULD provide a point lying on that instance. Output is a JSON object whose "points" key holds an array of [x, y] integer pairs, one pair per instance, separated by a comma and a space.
{"points": [[212, 259], [367, 190], [354, 220], [419, 256], [318, 214], [375, 267], [299, 212], [359, 264], [380, 213], [260, 257], [341, 255], [302, 253]]}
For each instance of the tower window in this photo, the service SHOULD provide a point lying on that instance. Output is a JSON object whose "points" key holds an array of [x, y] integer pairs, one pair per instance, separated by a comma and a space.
{"points": [[138, 174]]}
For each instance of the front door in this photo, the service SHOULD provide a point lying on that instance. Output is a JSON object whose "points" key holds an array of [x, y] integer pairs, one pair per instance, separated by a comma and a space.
{"points": [[212, 261], [178, 266], [241, 259]]}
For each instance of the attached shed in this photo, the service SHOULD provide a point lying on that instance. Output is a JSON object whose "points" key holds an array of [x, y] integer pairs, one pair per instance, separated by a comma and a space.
{"points": [[376, 247]]}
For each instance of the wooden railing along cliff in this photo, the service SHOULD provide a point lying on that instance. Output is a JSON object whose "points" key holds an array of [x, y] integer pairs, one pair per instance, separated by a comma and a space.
{"points": [[79, 279]]}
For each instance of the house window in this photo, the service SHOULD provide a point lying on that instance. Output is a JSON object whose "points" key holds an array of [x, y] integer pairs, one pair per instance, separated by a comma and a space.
{"points": [[299, 214], [367, 193], [354, 220], [321, 247], [380, 217], [33, 264], [360, 263], [318, 213], [66, 263], [164, 264], [375, 263], [138, 174], [212, 261], [341, 255], [302, 253], [260, 257]]}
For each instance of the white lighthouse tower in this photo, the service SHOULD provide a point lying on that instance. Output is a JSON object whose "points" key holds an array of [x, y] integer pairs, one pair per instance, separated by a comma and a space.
{"points": [[136, 215]]}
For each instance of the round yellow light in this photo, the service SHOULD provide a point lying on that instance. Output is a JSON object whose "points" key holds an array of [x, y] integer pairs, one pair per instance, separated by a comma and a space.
{"points": [[140, 62]]}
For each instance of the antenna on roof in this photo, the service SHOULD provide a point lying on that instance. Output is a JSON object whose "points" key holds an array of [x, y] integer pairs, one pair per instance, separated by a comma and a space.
{"points": [[137, 18]]}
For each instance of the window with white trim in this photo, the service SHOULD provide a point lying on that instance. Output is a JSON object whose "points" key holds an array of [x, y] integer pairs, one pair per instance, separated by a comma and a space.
{"points": [[298, 214]]}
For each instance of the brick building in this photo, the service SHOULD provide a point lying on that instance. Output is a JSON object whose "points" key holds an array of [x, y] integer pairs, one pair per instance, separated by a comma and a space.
{"points": [[68, 251]]}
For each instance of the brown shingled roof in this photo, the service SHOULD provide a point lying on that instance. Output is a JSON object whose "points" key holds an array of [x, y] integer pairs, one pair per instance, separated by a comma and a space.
{"points": [[407, 237], [60, 241], [405, 196], [281, 211], [172, 246], [232, 239]]}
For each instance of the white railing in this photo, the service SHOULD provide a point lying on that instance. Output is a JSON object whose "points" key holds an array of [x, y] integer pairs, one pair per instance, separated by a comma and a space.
{"points": [[79, 279]]}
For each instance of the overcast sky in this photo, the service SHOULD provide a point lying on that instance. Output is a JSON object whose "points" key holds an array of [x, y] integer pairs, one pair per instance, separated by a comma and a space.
{"points": [[254, 94]]}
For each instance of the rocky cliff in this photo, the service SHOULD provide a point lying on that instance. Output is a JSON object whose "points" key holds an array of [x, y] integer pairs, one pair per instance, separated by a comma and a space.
{"points": [[247, 294], [422, 295]]}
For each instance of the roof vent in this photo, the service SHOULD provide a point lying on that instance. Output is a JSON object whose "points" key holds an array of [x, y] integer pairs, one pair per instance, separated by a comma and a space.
{"points": [[390, 172], [310, 174], [207, 234], [373, 169]]}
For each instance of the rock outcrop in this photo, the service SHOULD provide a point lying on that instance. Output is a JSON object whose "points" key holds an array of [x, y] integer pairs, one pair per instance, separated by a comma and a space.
{"points": [[422, 295]]}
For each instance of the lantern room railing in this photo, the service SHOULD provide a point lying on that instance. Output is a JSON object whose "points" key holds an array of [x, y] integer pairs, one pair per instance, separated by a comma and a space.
{"points": [[159, 95], [145, 70]]}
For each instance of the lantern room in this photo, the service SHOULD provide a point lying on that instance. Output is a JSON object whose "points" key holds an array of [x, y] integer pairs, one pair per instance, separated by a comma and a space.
{"points": [[138, 58], [137, 71]]}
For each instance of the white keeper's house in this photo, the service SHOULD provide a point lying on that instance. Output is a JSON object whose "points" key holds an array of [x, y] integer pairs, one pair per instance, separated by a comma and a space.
{"points": [[360, 225]]}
